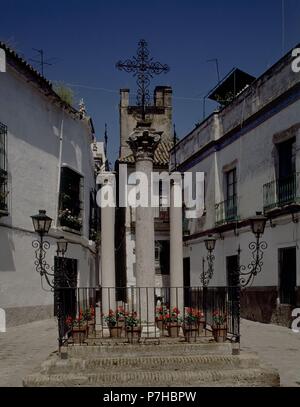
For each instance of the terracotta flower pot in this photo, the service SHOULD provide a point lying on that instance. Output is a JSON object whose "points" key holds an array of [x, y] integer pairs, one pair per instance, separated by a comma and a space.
{"points": [[219, 333], [190, 332], [79, 334], [133, 333], [91, 328], [121, 322], [173, 330], [115, 331], [201, 326]]}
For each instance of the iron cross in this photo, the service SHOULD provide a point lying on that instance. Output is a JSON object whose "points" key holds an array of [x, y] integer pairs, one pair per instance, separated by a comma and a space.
{"points": [[144, 68]]}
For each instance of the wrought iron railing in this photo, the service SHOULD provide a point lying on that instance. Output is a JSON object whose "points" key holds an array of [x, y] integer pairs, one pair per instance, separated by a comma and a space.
{"points": [[89, 315], [281, 192], [3, 191], [226, 211]]}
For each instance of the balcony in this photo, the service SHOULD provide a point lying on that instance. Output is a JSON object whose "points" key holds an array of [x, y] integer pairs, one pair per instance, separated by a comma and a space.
{"points": [[226, 211], [3, 193], [282, 192]]}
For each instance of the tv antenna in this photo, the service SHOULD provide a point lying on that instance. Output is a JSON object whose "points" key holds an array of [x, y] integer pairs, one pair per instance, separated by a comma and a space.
{"points": [[41, 61]]}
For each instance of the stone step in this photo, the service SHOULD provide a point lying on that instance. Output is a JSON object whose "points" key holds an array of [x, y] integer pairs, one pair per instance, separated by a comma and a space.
{"points": [[141, 363], [165, 349], [235, 377]]}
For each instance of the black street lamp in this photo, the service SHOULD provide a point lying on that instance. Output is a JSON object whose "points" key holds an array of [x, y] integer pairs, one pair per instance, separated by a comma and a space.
{"points": [[42, 224], [210, 243], [247, 274]]}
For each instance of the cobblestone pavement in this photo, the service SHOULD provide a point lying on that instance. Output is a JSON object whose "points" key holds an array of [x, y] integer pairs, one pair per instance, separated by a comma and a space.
{"points": [[23, 348], [277, 346]]}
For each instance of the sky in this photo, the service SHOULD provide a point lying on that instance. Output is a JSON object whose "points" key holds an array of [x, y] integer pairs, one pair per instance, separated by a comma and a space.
{"points": [[84, 39]]}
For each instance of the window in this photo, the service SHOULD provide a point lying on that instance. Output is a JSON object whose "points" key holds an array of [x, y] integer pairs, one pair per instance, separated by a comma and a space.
{"points": [[231, 195], [70, 209], [3, 169], [94, 217], [286, 185]]}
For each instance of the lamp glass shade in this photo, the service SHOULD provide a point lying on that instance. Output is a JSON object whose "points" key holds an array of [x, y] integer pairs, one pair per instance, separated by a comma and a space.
{"points": [[41, 222], [62, 245], [258, 224], [210, 243]]}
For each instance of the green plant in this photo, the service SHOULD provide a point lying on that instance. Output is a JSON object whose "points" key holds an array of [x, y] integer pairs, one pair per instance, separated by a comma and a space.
{"points": [[65, 93], [110, 318], [161, 312], [67, 219], [173, 316], [131, 320], [191, 316], [89, 314], [219, 318]]}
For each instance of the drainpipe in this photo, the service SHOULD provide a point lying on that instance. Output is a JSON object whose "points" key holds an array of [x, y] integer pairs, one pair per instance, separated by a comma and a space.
{"points": [[59, 166]]}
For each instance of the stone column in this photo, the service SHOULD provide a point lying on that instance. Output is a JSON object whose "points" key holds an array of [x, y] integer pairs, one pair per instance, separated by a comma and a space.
{"points": [[176, 244], [143, 142], [108, 280]]}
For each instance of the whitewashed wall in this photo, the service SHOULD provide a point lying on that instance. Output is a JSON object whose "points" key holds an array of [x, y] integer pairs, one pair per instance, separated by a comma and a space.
{"points": [[35, 125]]}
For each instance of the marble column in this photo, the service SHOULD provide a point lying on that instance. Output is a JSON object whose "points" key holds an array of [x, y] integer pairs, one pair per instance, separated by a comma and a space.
{"points": [[176, 244], [143, 142], [108, 274]]}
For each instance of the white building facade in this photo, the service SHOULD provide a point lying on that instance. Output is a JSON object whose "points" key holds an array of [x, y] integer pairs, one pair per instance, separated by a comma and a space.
{"points": [[46, 163], [249, 152]]}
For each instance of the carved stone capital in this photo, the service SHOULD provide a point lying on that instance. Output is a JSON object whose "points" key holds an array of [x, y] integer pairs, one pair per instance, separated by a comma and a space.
{"points": [[143, 142]]}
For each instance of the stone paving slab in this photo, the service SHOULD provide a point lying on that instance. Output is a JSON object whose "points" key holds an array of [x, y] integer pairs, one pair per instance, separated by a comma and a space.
{"points": [[23, 348], [277, 346]]}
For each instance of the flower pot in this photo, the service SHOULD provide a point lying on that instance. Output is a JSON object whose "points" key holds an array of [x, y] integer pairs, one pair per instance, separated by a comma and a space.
{"points": [[219, 333], [115, 331], [121, 322], [91, 328], [190, 332], [133, 333], [201, 326], [173, 330], [79, 335]]}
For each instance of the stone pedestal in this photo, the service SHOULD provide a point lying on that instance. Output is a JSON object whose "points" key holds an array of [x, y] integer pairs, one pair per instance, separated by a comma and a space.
{"points": [[108, 280], [176, 244], [143, 142]]}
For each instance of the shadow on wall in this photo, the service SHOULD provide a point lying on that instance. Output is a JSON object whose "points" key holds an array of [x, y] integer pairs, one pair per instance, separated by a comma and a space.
{"points": [[7, 248], [259, 303]]}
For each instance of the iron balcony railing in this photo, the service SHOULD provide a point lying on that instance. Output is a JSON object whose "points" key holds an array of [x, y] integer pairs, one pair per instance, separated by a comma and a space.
{"points": [[226, 211], [91, 315], [281, 192]]}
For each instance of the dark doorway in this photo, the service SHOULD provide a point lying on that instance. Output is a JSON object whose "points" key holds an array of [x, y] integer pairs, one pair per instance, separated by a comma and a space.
{"points": [[65, 281], [287, 275], [187, 281], [232, 267]]}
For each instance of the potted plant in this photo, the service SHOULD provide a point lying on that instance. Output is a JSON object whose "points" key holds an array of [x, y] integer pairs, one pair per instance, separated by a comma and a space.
{"points": [[173, 321], [133, 326], [219, 326], [78, 328], [89, 317], [120, 316], [115, 331], [160, 316], [190, 325]]}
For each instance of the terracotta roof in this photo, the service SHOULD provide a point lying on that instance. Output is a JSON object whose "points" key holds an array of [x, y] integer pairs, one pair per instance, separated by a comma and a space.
{"points": [[21, 65], [161, 155]]}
